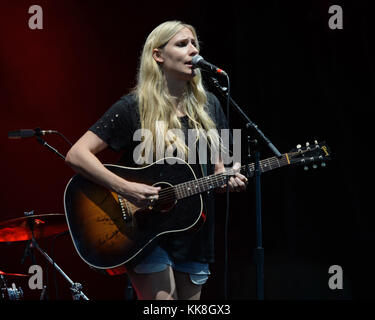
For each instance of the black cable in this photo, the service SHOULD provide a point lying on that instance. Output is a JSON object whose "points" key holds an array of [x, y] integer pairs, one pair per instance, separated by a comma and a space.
{"points": [[226, 244], [226, 92], [65, 138], [228, 100], [227, 212]]}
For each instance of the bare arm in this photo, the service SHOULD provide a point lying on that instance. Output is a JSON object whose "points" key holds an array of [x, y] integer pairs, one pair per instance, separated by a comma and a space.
{"points": [[82, 158]]}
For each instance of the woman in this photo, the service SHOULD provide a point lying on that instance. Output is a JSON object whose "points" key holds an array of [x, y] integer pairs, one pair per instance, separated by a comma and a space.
{"points": [[169, 95]]}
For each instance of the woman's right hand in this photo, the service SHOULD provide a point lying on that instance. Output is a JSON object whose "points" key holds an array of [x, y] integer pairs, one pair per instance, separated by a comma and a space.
{"points": [[81, 157], [142, 195]]}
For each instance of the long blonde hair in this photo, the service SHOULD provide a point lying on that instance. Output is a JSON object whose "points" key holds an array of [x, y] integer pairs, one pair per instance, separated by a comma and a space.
{"points": [[156, 109]]}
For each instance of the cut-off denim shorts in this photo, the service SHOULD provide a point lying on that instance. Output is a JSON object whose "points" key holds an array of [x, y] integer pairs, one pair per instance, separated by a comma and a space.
{"points": [[159, 259]]}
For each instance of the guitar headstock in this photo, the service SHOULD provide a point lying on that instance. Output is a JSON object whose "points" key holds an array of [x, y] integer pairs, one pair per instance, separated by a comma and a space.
{"points": [[313, 154]]}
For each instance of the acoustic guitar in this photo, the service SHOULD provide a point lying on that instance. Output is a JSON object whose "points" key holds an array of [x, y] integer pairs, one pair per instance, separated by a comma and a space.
{"points": [[109, 231]]}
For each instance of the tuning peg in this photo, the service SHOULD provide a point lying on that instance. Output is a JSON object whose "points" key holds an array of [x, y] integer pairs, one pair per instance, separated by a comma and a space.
{"points": [[316, 142], [299, 146], [314, 166], [307, 144], [306, 168], [323, 164]]}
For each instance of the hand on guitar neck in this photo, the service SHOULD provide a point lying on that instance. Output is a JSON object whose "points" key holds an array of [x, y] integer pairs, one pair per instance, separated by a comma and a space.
{"points": [[236, 183]]}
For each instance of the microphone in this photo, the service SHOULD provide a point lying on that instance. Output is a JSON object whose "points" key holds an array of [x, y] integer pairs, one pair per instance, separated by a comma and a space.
{"points": [[199, 62], [27, 133]]}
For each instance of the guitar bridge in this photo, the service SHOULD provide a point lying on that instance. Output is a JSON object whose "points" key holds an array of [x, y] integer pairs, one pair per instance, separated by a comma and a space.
{"points": [[125, 210]]}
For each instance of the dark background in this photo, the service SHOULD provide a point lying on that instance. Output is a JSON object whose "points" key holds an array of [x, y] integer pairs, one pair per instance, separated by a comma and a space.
{"points": [[297, 79]]}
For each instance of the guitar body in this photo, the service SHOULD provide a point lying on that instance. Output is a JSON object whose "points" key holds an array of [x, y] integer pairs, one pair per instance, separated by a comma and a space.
{"points": [[109, 231]]}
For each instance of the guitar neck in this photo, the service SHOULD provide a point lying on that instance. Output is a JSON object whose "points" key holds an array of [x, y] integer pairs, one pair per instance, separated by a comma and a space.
{"points": [[213, 181]]}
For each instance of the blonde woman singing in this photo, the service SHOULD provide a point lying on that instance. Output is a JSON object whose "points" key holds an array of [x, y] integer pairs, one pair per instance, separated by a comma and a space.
{"points": [[169, 95]]}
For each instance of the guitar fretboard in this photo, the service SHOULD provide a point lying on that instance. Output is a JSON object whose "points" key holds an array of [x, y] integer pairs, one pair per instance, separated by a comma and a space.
{"points": [[190, 188]]}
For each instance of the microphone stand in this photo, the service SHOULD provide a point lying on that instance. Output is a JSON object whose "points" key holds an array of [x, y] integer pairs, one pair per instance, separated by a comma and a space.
{"points": [[38, 134], [253, 152]]}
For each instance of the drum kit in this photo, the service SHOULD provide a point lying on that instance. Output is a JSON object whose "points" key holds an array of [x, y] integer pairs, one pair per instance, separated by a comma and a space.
{"points": [[30, 228]]}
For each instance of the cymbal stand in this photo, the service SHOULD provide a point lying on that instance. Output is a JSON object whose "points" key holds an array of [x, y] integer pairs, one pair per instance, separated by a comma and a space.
{"points": [[29, 250], [75, 287]]}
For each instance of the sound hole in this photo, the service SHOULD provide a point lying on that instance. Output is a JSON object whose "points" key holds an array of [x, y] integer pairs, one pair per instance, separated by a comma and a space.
{"points": [[167, 197], [154, 217]]}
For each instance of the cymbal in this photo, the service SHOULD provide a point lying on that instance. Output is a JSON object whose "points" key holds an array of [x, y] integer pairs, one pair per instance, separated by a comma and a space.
{"points": [[2, 273], [45, 225]]}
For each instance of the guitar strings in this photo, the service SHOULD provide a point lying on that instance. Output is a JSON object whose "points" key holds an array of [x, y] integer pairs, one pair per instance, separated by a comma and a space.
{"points": [[171, 193], [174, 192]]}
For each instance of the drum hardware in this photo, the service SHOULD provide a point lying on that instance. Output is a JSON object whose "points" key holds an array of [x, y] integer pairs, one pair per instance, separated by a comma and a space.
{"points": [[75, 287], [30, 228], [2, 273], [10, 293], [43, 293]]}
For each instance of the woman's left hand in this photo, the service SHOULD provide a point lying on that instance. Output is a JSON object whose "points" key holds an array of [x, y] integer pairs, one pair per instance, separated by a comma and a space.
{"points": [[236, 183]]}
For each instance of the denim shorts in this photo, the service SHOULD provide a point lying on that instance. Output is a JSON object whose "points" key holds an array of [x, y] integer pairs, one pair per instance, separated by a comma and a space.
{"points": [[159, 259]]}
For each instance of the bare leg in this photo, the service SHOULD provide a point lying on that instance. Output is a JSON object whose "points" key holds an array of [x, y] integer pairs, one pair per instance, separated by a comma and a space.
{"points": [[154, 286], [186, 290]]}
